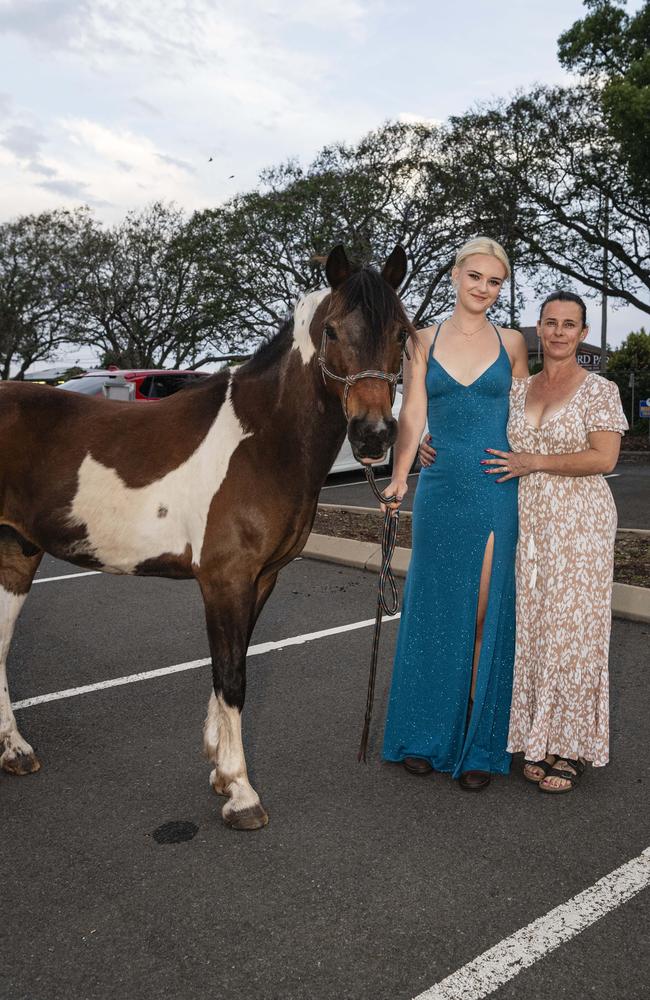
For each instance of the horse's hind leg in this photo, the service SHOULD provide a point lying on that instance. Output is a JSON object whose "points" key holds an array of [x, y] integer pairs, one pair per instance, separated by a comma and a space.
{"points": [[231, 612], [19, 560]]}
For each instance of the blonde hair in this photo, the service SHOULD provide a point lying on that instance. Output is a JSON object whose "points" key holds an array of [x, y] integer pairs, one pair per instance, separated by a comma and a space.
{"points": [[483, 244]]}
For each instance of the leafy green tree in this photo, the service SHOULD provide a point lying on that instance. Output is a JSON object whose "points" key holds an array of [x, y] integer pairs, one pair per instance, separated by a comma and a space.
{"points": [[632, 358], [142, 302], [552, 148], [42, 267], [612, 48]]}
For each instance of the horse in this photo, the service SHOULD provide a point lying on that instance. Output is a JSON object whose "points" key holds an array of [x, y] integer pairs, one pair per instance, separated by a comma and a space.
{"points": [[219, 482]]}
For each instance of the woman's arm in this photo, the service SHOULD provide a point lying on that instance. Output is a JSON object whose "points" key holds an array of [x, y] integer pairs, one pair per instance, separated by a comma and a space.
{"points": [[517, 350], [601, 456], [412, 418], [413, 414]]}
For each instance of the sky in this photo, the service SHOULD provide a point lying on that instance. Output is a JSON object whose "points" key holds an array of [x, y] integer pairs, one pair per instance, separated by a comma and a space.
{"points": [[115, 103]]}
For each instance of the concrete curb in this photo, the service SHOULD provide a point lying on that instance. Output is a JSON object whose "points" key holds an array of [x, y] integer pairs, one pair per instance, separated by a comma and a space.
{"points": [[642, 532], [631, 603]]}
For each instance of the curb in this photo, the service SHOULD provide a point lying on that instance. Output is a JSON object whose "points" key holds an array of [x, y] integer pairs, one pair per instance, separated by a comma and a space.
{"points": [[350, 509], [631, 603]]}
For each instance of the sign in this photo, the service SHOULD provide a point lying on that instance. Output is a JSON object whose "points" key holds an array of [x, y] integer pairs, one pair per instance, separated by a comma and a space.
{"points": [[644, 409], [589, 360]]}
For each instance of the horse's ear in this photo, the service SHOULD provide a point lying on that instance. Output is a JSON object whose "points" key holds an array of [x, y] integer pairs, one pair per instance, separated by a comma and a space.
{"points": [[338, 268], [394, 270]]}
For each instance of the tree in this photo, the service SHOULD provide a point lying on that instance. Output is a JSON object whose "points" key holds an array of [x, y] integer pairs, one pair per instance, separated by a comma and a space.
{"points": [[632, 358], [142, 302], [553, 147], [258, 251], [42, 265], [612, 49]]}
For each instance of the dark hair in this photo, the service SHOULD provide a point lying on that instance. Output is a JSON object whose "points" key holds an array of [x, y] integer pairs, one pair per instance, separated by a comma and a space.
{"points": [[565, 297]]}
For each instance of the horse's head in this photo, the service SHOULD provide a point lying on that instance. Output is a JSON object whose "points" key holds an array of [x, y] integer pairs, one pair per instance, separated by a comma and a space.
{"points": [[363, 335]]}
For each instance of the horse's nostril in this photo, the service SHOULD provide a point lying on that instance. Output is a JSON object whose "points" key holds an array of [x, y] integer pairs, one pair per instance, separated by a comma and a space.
{"points": [[371, 438]]}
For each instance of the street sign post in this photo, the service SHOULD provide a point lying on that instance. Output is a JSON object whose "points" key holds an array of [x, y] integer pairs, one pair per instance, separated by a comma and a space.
{"points": [[644, 412]]}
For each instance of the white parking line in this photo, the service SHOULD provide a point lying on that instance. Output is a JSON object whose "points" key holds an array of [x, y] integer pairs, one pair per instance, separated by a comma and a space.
{"points": [[522, 949], [68, 576], [612, 475], [258, 650]]}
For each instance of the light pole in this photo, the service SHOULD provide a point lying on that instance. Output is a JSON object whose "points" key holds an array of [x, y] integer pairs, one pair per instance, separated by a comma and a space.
{"points": [[603, 307]]}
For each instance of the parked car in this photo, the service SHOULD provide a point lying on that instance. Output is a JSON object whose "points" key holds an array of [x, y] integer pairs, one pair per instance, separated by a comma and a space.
{"points": [[139, 384]]}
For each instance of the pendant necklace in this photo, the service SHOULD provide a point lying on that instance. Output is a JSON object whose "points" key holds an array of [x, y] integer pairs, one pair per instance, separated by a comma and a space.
{"points": [[466, 335]]}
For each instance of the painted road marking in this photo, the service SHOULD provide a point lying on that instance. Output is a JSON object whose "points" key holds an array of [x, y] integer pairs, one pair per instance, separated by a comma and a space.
{"points": [[522, 949], [612, 475], [258, 650], [68, 576]]}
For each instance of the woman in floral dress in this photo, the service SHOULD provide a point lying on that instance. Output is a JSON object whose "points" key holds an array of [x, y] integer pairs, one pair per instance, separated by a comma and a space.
{"points": [[564, 429]]}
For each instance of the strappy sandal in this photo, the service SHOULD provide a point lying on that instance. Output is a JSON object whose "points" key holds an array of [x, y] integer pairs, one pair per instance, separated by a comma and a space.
{"points": [[543, 765], [565, 774]]}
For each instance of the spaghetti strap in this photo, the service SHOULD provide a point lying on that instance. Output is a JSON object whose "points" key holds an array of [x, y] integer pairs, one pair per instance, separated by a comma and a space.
{"points": [[435, 337], [496, 330]]}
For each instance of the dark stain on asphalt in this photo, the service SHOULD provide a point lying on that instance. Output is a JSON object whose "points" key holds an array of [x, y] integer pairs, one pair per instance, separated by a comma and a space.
{"points": [[175, 832]]}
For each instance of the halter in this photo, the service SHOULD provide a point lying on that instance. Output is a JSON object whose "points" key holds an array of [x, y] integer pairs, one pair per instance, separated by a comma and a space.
{"points": [[350, 380]]}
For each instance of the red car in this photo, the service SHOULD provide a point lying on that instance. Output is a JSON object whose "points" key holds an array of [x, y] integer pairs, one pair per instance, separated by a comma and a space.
{"points": [[140, 384]]}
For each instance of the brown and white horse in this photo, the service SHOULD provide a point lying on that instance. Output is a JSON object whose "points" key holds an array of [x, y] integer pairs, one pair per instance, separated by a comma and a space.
{"points": [[219, 482]]}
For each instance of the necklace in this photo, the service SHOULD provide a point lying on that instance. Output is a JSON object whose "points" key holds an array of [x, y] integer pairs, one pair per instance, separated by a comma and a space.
{"points": [[466, 335]]}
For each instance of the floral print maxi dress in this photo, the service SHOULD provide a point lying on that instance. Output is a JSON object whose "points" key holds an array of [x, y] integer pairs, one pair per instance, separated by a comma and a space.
{"points": [[564, 571]]}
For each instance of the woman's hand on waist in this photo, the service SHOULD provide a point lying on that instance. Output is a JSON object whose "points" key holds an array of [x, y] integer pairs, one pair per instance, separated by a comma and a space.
{"points": [[509, 464], [426, 453], [397, 488]]}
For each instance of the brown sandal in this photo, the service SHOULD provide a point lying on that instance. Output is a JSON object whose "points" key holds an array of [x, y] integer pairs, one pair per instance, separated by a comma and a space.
{"points": [[543, 765], [562, 772], [417, 765]]}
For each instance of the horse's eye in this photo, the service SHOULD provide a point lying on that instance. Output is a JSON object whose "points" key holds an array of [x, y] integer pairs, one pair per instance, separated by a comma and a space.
{"points": [[330, 332]]}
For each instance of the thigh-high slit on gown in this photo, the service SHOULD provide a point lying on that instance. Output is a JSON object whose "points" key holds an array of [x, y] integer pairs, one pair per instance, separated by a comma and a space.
{"points": [[457, 508]]}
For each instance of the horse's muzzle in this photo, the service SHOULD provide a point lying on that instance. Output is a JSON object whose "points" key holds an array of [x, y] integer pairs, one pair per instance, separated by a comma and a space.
{"points": [[371, 439]]}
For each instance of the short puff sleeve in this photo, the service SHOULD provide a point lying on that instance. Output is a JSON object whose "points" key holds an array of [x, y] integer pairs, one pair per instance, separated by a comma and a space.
{"points": [[604, 410]]}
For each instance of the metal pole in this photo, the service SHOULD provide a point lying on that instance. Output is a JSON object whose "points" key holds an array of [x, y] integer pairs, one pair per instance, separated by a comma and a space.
{"points": [[603, 308]]}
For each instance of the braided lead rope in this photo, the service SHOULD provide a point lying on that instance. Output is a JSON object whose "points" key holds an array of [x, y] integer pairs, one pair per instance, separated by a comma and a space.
{"points": [[388, 541]]}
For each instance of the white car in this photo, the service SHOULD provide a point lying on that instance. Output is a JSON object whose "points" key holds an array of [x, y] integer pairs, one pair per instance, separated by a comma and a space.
{"points": [[345, 460]]}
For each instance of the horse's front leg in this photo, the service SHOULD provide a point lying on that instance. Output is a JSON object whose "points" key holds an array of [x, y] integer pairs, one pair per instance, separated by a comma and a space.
{"points": [[231, 611]]}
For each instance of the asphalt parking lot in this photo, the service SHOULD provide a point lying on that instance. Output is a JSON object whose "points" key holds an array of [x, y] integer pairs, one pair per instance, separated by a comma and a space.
{"points": [[630, 485], [367, 883]]}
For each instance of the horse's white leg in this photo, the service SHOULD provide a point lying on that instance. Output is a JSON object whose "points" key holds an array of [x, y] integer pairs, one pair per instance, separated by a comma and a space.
{"points": [[223, 745], [17, 756], [231, 608], [17, 569]]}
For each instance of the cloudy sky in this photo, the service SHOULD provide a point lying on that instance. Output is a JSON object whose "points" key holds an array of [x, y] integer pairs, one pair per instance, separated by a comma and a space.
{"points": [[114, 103]]}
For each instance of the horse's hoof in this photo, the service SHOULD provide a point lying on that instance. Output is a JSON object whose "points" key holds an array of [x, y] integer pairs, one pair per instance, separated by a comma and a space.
{"points": [[20, 763], [253, 818]]}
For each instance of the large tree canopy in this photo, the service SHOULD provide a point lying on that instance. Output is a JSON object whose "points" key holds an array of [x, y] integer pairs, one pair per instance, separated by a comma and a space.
{"points": [[612, 49], [42, 269]]}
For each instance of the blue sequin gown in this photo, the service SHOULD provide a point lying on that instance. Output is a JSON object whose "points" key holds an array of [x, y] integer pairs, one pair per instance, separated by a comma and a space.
{"points": [[456, 507]]}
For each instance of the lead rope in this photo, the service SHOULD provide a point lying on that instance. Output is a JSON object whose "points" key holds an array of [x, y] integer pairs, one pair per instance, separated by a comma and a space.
{"points": [[388, 540]]}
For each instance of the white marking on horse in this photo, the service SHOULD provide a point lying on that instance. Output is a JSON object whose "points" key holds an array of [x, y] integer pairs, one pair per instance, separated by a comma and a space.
{"points": [[10, 739], [302, 317], [224, 748], [122, 523]]}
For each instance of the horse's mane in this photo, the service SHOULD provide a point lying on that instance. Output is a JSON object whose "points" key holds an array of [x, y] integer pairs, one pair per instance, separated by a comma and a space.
{"points": [[270, 351]]}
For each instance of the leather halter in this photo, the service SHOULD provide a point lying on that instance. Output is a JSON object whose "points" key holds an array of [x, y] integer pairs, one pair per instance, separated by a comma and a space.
{"points": [[351, 380]]}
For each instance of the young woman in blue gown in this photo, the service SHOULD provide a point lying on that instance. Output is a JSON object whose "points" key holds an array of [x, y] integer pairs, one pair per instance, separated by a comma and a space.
{"points": [[452, 677]]}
